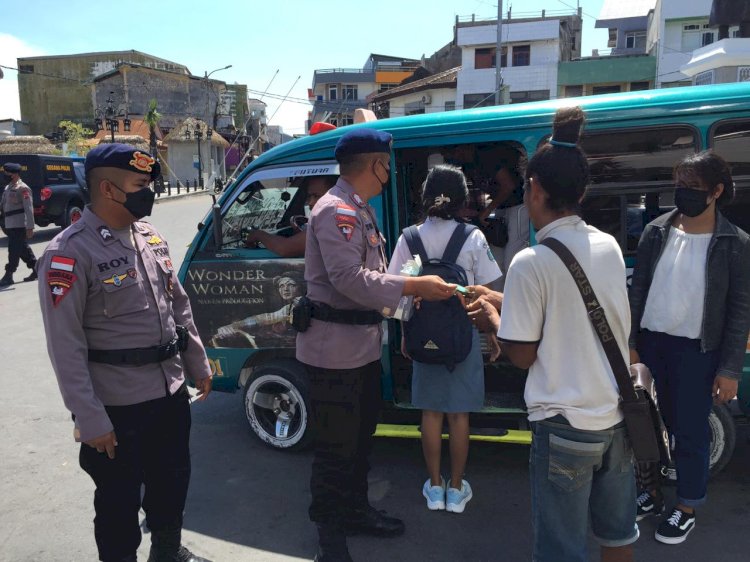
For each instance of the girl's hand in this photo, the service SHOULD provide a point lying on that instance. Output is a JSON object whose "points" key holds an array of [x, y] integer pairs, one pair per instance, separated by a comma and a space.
{"points": [[724, 390]]}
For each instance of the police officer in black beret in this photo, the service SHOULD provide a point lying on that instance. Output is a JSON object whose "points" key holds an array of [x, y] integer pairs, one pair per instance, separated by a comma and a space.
{"points": [[17, 210]]}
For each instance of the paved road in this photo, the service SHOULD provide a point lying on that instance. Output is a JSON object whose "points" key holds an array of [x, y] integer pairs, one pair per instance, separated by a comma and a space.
{"points": [[247, 502]]}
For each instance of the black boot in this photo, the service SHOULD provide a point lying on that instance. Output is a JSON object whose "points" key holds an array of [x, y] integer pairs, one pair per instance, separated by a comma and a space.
{"points": [[332, 545], [32, 276], [166, 547], [7, 279], [365, 519]]}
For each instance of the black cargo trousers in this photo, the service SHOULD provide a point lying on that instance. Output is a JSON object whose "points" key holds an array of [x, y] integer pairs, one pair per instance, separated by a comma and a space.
{"points": [[345, 404], [19, 249], [153, 451]]}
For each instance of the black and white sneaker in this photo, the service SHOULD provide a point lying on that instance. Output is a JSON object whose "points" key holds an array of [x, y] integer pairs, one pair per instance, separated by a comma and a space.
{"points": [[648, 504], [676, 528]]}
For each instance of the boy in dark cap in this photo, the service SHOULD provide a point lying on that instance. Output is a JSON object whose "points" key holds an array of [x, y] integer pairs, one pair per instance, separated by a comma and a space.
{"points": [[350, 295], [121, 338], [17, 208]]}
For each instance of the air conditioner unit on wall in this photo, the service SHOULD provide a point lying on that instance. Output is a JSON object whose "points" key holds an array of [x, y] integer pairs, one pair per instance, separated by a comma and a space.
{"points": [[426, 100]]}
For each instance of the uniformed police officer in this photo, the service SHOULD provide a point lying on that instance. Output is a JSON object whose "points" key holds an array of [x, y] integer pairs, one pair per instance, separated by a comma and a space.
{"points": [[121, 338], [17, 208], [349, 293]]}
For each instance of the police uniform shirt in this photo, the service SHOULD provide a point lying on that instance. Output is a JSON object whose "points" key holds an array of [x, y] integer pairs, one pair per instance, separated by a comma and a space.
{"points": [[345, 267], [18, 197], [99, 291]]}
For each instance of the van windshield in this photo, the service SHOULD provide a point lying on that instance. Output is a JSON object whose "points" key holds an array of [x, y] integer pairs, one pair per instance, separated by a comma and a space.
{"points": [[265, 205]]}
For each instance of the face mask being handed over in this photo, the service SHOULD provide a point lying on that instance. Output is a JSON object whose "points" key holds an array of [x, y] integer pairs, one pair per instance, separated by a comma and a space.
{"points": [[138, 203], [691, 202]]}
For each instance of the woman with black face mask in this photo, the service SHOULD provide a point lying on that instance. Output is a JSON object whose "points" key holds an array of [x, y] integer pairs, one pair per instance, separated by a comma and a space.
{"points": [[690, 307]]}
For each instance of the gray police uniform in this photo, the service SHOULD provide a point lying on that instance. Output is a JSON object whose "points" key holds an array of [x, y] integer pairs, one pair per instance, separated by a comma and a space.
{"points": [[111, 304], [18, 213], [345, 271]]}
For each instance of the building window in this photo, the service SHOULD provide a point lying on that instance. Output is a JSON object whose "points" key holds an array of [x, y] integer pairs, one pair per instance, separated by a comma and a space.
{"points": [[415, 111], [347, 120], [385, 87], [521, 55], [350, 92], [450, 106], [635, 40], [333, 121], [638, 86], [479, 100], [573, 91], [333, 91], [707, 38], [704, 78], [529, 95], [596, 90], [484, 58], [743, 74], [26, 69]]}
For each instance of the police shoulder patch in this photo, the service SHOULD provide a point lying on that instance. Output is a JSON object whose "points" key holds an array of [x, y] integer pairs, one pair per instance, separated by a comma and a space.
{"points": [[60, 277]]}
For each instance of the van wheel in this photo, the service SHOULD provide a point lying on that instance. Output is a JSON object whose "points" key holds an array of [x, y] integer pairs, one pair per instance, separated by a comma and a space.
{"points": [[723, 438], [73, 213], [277, 405]]}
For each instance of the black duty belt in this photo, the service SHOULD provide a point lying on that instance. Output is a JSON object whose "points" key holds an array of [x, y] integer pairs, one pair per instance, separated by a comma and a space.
{"points": [[327, 313], [140, 356], [15, 212]]}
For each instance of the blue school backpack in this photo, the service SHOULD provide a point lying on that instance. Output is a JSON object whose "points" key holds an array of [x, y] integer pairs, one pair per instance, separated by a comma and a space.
{"points": [[440, 332]]}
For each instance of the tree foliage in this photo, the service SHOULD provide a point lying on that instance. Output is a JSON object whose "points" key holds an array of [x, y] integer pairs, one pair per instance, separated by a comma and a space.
{"points": [[75, 135]]}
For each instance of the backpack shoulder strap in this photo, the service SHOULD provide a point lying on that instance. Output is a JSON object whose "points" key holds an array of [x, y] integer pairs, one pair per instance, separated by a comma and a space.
{"points": [[457, 240], [414, 241]]}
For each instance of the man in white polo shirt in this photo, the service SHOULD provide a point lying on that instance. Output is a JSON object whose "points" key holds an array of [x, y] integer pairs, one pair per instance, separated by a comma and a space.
{"points": [[581, 462]]}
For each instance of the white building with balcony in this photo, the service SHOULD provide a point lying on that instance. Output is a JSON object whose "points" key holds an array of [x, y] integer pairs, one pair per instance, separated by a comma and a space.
{"points": [[532, 48]]}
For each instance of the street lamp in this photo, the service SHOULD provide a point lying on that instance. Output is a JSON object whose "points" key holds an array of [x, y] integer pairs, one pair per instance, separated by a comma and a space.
{"points": [[109, 117], [197, 133], [205, 79]]}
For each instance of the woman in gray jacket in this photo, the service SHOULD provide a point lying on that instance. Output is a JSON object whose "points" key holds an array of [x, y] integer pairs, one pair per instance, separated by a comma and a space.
{"points": [[690, 308]]}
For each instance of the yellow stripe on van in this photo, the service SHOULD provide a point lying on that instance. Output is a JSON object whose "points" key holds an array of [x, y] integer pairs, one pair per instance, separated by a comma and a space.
{"points": [[412, 432]]}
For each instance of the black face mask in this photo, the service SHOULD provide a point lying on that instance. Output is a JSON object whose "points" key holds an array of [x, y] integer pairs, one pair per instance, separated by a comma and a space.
{"points": [[690, 202], [139, 203]]}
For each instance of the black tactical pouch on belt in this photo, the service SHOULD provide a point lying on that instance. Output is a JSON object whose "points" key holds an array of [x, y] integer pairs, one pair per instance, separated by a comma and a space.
{"points": [[302, 314], [183, 337]]}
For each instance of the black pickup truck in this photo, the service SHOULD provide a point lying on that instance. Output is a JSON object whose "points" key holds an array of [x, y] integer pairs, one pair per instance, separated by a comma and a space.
{"points": [[58, 184]]}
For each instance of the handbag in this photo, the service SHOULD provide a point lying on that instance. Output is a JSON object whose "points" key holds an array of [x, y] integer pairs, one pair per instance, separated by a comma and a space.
{"points": [[643, 423]]}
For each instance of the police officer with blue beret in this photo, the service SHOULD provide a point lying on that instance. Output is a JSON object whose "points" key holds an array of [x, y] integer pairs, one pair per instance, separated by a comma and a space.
{"points": [[17, 210], [349, 294], [121, 338]]}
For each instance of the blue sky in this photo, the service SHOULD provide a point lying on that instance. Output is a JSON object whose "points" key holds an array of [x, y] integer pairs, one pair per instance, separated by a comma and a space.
{"points": [[257, 38]]}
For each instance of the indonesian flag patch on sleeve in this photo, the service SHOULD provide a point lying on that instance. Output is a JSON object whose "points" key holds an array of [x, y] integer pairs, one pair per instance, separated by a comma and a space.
{"points": [[60, 277], [346, 220]]}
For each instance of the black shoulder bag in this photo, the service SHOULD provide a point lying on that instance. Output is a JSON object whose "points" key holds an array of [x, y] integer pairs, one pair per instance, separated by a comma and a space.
{"points": [[642, 419]]}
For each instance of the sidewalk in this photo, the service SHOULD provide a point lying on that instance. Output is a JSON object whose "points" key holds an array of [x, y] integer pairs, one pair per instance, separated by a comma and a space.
{"points": [[193, 192]]}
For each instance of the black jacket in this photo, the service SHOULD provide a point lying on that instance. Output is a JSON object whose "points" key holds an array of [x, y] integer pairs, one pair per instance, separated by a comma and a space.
{"points": [[726, 307]]}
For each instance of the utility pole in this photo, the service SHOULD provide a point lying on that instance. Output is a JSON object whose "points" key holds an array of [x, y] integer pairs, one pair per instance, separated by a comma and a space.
{"points": [[499, 54]]}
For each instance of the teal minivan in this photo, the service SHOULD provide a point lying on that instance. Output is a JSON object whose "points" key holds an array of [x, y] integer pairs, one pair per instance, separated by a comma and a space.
{"points": [[242, 296]]}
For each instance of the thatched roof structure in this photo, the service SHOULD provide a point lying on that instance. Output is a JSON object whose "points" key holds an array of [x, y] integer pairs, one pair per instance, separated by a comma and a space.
{"points": [[137, 141], [27, 144], [177, 135]]}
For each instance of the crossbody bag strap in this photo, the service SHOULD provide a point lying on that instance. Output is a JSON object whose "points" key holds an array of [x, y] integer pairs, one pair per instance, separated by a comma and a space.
{"points": [[598, 318]]}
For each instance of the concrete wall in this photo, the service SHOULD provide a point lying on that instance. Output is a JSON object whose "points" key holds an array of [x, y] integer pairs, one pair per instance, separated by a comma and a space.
{"points": [[65, 91], [180, 161], [438, 98]]}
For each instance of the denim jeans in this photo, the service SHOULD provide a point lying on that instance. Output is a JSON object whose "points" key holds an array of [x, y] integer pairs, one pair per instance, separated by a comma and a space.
{"points": [[576, 473], [684, 377]]}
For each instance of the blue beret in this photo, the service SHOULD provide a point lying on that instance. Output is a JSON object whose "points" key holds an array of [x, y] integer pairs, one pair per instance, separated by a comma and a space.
{"points": [[362, 141], [12, 168], [124, 157]]}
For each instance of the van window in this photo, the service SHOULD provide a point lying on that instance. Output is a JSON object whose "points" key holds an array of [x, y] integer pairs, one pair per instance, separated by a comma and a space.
{"points": [[267, 205], [731, 140], [631, 178], [58, 172]]}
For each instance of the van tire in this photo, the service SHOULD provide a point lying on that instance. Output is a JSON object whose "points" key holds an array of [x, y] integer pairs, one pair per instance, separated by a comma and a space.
{"points": [[73, 213], [723, 438], [275, 388]]}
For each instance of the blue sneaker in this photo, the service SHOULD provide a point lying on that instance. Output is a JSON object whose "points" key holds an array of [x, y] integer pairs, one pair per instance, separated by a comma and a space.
{"points": [[457, 499], [435, 495]]}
